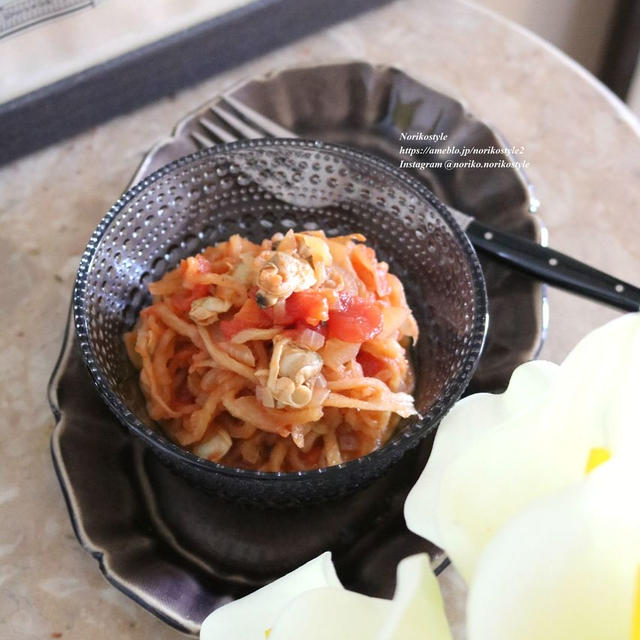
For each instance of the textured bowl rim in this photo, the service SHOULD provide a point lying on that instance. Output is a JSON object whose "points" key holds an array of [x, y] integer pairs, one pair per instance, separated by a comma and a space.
{"points": [[418, 429]]}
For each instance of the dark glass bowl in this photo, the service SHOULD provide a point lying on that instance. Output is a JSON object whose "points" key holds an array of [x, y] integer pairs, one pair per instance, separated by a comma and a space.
{"points": [[256, 188]]}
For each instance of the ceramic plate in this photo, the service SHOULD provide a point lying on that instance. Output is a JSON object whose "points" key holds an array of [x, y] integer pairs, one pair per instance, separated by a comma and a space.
{"points": [[179, 553]]}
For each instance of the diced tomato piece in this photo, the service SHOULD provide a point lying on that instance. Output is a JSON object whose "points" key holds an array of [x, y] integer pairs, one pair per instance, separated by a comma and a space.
{"points": [[304, 306], [182, 301], [278, 314], [369, 363], [308, 306], [250, 316], [346, 299], [343, 301], [356, 321]]}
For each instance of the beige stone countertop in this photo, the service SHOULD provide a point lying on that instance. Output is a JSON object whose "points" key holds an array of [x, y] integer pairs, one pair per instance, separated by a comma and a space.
{"points": [[584, 150]]}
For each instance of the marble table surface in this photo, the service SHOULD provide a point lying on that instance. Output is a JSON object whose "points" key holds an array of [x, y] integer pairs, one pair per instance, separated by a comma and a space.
{"points": [[584, 150]]}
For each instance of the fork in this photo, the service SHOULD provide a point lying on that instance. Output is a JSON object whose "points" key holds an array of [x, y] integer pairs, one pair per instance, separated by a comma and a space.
{"points": [[248, 124], [232, 120]]}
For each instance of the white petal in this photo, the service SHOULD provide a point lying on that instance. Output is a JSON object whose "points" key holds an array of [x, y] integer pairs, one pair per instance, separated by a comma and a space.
{"points": [[598, 386], [565, 568], [417, 611], [331, 614], [485, 465], [249, 617], [493, 455]]}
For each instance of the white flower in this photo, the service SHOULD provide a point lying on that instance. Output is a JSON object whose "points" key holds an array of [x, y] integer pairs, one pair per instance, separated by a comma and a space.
{"points": [[250, 617], [597, 394], [496, 454], [337, 614], [300, 607], [566, 568], [415, 613], [417, 610], [485, 465]]}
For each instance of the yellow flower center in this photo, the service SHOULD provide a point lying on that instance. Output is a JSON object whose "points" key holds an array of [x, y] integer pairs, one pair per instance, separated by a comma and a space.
{"points": [[597, 456], [267, 633], [635, 620]]}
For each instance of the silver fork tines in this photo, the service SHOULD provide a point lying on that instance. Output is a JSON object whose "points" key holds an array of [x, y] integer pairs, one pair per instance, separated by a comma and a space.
{"points": [[236, 121], [252, 116]]}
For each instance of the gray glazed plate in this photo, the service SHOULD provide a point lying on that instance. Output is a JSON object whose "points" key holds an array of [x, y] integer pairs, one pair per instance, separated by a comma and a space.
{"points": [[181, 554]]}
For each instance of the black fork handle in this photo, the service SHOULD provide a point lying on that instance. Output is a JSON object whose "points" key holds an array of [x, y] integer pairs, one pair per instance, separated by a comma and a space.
{"points": [[554, 267]]}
